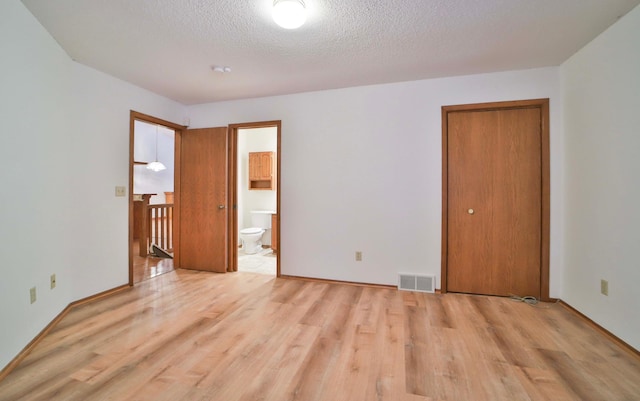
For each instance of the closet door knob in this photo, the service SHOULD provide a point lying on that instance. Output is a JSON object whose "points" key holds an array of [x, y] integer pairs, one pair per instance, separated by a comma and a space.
{"points": [[470, 211], [220, 206]]}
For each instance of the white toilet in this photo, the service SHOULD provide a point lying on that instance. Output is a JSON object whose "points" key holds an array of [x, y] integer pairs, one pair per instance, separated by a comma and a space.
{"points": [[252, 237]]}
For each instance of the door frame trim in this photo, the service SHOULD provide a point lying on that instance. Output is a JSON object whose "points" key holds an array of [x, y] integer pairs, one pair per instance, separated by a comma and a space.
{"points": [[543, 105], [133, 117], [233, 190]]}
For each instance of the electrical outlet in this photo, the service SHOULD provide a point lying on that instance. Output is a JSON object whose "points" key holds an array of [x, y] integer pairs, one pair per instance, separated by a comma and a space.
{"points": [[53, 281], [32, 294], [121, 191], [358, 256], [604, 287]]}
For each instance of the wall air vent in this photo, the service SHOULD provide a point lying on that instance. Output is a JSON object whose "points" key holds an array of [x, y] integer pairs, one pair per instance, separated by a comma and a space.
{"points": [[416, 282]]}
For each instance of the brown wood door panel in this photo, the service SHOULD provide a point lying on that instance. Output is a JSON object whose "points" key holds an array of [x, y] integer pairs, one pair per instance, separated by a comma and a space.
{"points": [[494, 169], [202, 200]]}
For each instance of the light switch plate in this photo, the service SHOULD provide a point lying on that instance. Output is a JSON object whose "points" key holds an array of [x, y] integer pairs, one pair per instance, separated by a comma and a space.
{"points": [[121, 191]]}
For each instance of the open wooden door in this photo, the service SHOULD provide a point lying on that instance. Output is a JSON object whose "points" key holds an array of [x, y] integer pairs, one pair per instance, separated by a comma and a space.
{"points": [[201, 200]]}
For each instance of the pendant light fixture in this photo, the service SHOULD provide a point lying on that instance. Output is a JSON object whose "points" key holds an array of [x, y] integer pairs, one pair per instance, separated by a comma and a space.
{"points": [[289, 14], [156, 165]]}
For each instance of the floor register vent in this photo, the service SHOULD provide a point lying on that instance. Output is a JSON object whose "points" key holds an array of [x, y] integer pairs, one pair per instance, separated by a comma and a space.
{"points": [[415, 282]]}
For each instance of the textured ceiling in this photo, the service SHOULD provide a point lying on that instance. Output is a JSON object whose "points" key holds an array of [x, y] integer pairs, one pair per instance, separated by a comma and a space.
{"points": [[169, 46]]}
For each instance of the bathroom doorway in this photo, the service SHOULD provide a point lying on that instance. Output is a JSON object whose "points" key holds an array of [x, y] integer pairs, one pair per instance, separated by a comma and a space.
{"points": [[255, 226]]}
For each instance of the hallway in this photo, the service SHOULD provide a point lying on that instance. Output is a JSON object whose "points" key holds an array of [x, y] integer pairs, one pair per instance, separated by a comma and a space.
{"points": [[149, 267]]}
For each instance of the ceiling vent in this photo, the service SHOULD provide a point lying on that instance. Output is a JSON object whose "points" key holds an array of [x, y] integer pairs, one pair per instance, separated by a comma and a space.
{"points": [[416, 282]]}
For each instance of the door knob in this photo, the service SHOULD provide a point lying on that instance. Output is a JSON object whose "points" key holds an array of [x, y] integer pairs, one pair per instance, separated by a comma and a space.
{"points": [[470, 211], [220, 206]]}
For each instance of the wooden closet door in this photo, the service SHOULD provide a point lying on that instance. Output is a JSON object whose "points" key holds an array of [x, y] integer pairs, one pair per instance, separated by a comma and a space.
{"points": [[494, 211]]}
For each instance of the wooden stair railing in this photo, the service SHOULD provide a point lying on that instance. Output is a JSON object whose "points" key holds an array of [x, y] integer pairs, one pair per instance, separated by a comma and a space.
{"points": [[156, 227], [140, 218], [159, 226]]}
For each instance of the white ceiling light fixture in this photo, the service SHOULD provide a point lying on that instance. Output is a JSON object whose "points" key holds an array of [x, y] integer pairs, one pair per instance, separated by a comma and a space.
{"points": [[156, 165], [221, 69], [289, 14]]}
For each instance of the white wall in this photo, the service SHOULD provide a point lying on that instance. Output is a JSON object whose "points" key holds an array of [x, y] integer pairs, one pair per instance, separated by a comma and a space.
{"points": [[361, 171], [254, 140], [36, 162], [106, 102], [65, 146], [602, 126]]}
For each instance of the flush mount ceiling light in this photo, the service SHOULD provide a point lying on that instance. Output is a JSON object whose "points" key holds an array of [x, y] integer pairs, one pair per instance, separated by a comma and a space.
{"points": [[289, 14], [221, 68], [156, 165]]}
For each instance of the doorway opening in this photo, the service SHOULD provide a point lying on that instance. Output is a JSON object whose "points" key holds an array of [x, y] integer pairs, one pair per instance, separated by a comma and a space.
{"points": [[255, 182], [257, 199], [151, 217]]}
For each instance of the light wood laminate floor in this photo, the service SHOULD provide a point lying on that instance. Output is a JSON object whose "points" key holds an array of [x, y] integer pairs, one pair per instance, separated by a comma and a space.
{"points": [[190, 335]]}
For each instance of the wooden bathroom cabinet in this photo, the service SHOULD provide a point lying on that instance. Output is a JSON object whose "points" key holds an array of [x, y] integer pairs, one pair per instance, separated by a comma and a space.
{"points": [[261, 170]]}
